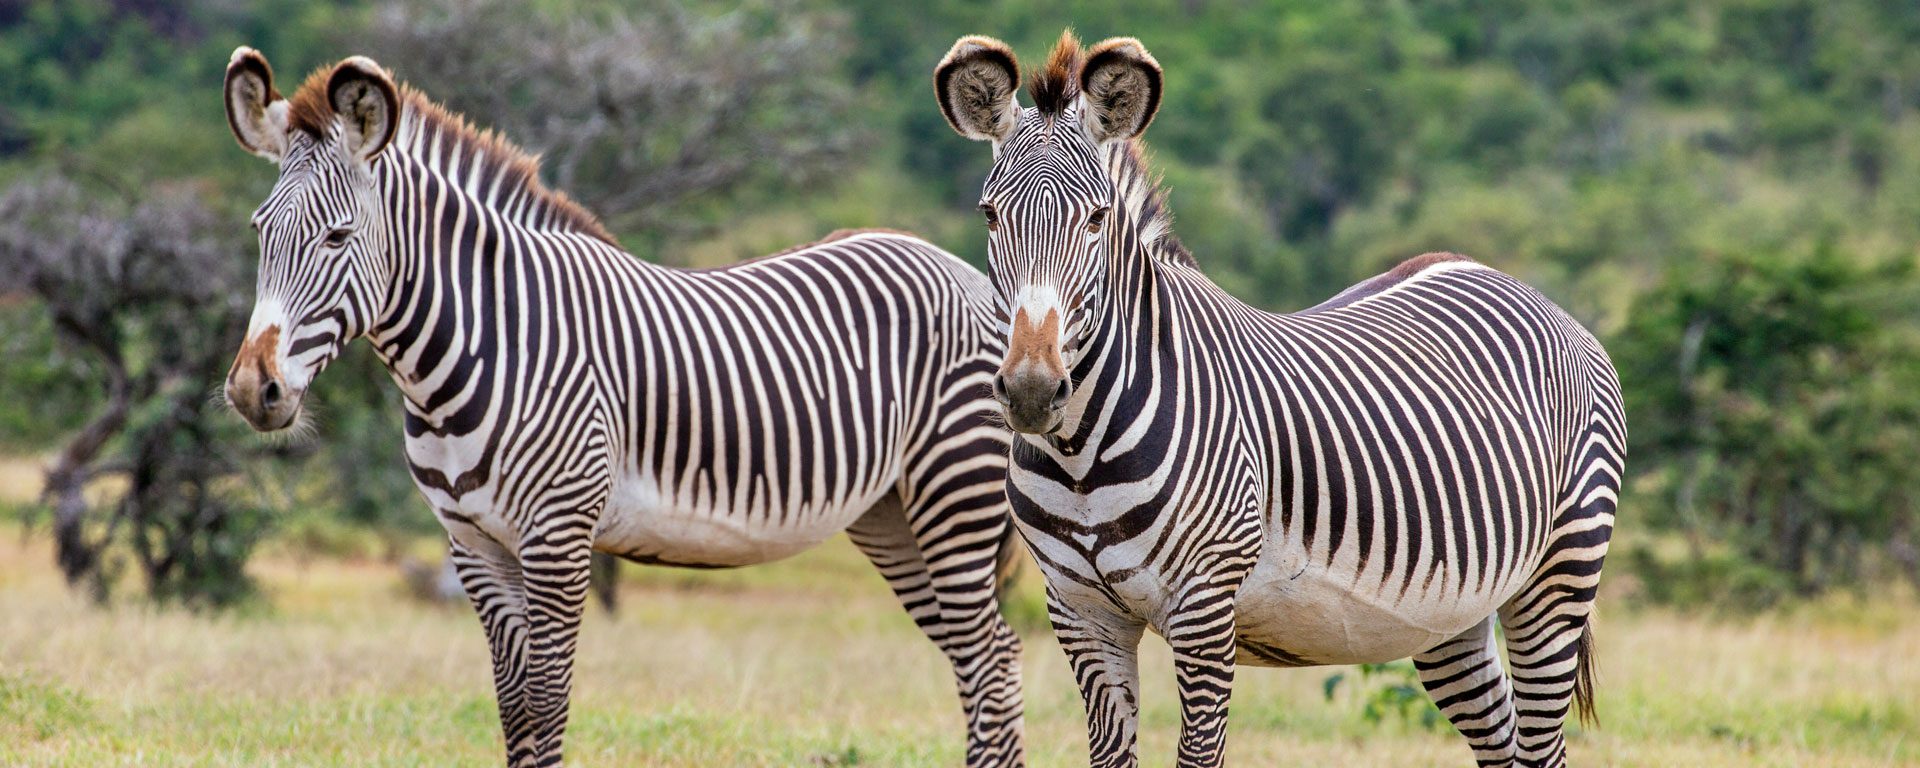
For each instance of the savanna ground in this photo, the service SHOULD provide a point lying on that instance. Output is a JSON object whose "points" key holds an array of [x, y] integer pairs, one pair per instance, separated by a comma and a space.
{"points": [[809, 662]]}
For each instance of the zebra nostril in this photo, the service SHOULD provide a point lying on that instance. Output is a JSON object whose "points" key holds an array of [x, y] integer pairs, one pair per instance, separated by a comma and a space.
{"points": [[1000, 387], [270, 395], [1060, 394]]}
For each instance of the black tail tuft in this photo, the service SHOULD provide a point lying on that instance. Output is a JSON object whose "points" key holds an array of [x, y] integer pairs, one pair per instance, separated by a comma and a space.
{"points": [[1583, 678]]}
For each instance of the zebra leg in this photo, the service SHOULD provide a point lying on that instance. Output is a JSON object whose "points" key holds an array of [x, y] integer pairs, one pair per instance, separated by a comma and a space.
{"points": [[1201, 633], [1549, 639], [1549, 634], [1545, 628], [555, 566], [1102, 648], [1465, 679], [492, 582], [946, 583]]}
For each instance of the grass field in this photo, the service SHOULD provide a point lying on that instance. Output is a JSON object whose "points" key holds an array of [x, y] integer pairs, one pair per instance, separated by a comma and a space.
{"points": [[809, 663]]}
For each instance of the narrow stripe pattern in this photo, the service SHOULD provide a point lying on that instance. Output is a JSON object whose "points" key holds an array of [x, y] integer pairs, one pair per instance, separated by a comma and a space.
{"points": [[1427, 459], [562, 396]]}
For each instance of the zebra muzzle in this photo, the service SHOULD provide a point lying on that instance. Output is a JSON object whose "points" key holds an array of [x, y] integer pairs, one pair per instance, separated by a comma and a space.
{"points": [[1032, 384], [256, 390], [1033, 400]]}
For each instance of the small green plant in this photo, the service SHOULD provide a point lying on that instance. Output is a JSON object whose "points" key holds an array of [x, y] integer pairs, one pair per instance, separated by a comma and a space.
{"points": [[1389, 691], [836, 759]]}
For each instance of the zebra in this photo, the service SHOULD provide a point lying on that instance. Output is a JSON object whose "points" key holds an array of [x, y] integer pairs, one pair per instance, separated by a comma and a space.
{"points": [[1428, 457], [563, 397]]}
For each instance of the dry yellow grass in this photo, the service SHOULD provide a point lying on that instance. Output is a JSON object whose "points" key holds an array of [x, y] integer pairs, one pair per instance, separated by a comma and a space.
{"points": [[809, 662], [20, 479]]}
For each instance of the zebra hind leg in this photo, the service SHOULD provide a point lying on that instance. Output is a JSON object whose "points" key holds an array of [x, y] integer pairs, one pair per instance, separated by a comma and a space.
{"points": [[1468, 684], [1549, 637], [946, 583]]}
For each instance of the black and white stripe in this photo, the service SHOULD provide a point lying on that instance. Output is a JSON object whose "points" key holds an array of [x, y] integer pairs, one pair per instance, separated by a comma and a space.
{"points": [[563, 396], [1389, 474]]}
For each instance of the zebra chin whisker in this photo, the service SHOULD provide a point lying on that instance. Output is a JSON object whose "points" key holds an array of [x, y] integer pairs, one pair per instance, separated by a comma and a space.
{"points": [[305, 427], [217, 398]]}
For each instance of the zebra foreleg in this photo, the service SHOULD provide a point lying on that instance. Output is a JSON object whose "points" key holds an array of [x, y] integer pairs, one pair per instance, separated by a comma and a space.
{"points": [[946, 583], [554, 562], [1201, 633], [1467, 683], [492, 582], [1102, 647]]}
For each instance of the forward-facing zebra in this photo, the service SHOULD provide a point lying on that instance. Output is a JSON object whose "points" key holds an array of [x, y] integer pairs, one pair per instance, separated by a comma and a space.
{"points": [[563, 396], [1390, 473]]}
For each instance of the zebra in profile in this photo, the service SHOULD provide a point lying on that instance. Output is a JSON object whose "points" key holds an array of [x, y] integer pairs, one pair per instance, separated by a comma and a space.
{"points": [[1429, 454], [564, 397]]}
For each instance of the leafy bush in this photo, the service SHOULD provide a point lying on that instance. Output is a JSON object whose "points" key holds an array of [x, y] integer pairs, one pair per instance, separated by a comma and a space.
{"points": [[1389, 692], [1782, 412]]}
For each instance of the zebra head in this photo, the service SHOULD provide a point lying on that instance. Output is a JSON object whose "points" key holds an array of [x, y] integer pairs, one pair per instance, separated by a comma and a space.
{"points": [[1048, 198], [322, 231]]}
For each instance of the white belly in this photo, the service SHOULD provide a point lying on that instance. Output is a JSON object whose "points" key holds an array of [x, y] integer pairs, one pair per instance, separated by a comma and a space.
{"points": [[1287, 608], [644, 523]]}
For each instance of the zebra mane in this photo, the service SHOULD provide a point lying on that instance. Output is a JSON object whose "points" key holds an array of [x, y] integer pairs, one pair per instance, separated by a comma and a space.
{"points": [[1139, 192], [485, 158], [1055, 86]]}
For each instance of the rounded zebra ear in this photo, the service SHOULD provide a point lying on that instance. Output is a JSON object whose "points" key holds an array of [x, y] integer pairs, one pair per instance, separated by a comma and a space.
{"points": [[1121, 83], [255, 111], [976, 83], [367, 105]]}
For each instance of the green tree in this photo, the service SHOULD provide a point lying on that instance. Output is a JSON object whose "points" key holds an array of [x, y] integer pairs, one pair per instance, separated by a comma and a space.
{"points": [[1782, 413]]}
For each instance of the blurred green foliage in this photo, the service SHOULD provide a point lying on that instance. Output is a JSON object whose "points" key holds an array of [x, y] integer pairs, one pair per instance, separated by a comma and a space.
{"points": [[1388, 691], [1746, 168]]}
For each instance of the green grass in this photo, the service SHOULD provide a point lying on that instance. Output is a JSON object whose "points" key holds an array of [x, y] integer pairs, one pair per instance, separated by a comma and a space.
{"points": [[809, 662]]}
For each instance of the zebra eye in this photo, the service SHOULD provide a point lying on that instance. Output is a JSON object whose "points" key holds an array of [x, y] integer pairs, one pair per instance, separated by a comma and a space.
{"points": [[1097, 220], [993, 216], [337, 237]]}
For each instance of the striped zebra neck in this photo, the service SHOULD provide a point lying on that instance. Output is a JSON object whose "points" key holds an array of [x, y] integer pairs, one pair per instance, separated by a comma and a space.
{"points": [[461, 207], [1144, 260]]}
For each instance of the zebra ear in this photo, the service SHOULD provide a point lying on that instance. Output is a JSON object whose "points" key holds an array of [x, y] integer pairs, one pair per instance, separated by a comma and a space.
{"points": [[1121, 83], [976, 83], [367, 104], [255, 111]]}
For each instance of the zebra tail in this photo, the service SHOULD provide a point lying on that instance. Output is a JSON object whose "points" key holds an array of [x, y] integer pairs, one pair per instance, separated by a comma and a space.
{"points": [[1583, 678]]}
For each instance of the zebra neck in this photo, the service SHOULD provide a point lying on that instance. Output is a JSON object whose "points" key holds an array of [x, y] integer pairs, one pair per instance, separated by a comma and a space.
{"points": [[1115, 380], [466, 276]]}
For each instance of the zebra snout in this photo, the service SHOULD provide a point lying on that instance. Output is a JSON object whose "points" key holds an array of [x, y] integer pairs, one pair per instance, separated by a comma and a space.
{"points": [[1032, 400], [258, 392], [267, 404]]}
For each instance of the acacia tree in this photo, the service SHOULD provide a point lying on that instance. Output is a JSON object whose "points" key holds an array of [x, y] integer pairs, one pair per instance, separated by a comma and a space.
{"points": [[149, 293]]}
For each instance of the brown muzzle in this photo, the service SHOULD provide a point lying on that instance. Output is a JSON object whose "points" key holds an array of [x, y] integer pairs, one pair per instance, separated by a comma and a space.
{"points": [[1032, 384], [255, 388]]}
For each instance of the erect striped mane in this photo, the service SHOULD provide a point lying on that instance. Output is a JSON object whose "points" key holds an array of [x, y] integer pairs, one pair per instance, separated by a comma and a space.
{"points": [[1141, 195], [1055, 86], [485, 159]]}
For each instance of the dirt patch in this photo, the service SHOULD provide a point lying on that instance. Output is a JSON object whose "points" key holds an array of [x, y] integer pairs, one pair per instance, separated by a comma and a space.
{"points": [[20, 479]]}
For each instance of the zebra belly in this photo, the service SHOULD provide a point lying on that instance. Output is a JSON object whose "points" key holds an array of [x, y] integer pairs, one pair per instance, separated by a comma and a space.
{"points": [[1291, 611], [645, 525]]}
